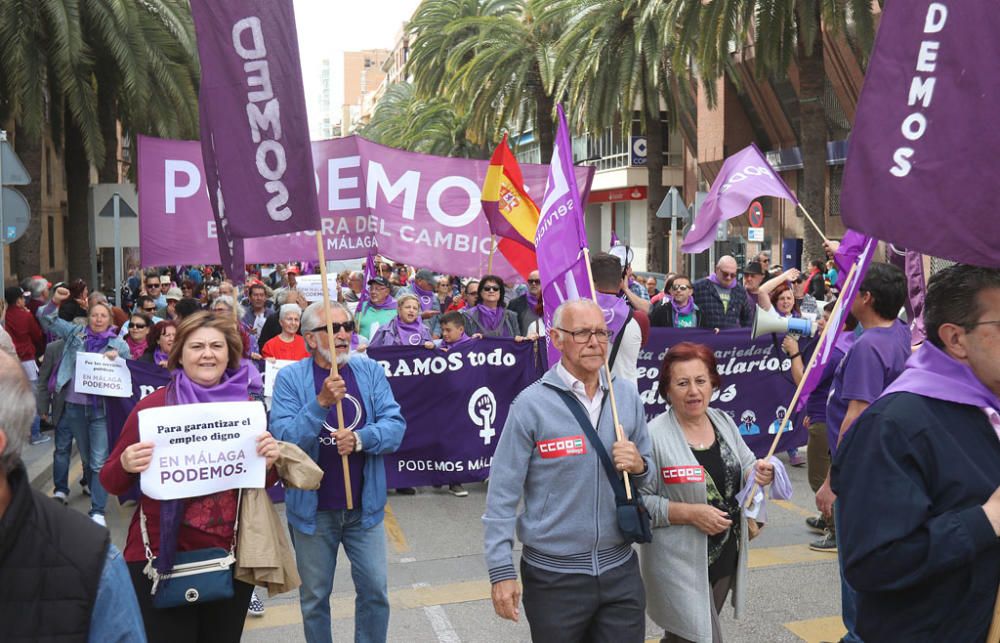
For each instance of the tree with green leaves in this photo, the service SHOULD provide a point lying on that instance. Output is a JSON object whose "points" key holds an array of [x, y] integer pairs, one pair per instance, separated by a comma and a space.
{"points": [[783, 32]]}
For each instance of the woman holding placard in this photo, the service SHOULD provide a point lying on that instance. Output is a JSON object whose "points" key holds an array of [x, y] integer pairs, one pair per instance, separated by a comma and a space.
{"points": [[84, 413], [205, 367]]}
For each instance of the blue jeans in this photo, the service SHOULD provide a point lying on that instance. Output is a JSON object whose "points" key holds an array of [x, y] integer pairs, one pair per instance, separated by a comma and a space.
{"points": [[848, 597], [90, 428], [62, 454], [316, 559]]}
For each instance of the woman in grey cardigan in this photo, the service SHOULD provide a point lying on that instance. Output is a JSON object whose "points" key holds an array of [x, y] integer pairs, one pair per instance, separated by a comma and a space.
{"points": [[699, 548]]}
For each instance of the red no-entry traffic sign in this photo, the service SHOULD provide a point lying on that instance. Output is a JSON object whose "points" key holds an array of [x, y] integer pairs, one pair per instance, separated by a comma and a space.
{"points": [[756, 213]]}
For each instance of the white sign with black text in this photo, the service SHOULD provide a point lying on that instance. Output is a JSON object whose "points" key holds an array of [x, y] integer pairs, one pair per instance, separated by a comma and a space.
{"points": [[97, 375]]}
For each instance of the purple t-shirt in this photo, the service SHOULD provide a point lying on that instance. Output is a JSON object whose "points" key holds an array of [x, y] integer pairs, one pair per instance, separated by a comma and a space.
{"points": [[876, 359], [331, 491], [816, 404]]}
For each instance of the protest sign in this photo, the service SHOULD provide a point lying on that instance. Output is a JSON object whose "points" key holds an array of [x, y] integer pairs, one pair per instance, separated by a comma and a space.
{"points": [[311, 286], [271, 368], [756, 383], [420, 208], [98, 375], [455, 404], [201, 449]]}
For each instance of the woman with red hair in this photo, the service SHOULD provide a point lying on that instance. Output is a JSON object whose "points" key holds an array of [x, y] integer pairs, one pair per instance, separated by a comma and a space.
{"points": [[700, 542]]}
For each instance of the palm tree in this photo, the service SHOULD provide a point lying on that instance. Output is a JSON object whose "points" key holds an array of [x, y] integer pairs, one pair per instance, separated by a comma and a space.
{"points": [[613, 57], [429, 126], [783, 32], [493, 60], [76, 68]]}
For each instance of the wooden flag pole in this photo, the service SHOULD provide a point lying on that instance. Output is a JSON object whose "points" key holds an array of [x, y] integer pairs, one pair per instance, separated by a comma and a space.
{"points": [[619, 434], [333, 361], [993, 636], [816, 227], [805, 376], [489, 262]]}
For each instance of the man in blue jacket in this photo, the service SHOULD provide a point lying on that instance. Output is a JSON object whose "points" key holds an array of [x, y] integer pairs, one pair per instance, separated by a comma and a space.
{"points": [[918, 477], [304, 411]]}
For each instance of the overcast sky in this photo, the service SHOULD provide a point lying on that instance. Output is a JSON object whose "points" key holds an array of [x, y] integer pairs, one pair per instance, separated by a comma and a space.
{"points": [[329, 28]]}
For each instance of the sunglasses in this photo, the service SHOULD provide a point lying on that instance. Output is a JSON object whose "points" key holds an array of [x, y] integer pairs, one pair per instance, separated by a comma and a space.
{"points": [[534, 282], [490, 289], [337, 326], [680, 288], [151, 285], [149, 310], [727, 274], [136, 326]]}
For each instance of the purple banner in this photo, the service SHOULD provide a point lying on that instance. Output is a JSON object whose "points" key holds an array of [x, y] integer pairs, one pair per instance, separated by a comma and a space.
{"points": [[253, 116], [421, 209], [744, 176], [455, 404], [923, 158], [756, 383]]}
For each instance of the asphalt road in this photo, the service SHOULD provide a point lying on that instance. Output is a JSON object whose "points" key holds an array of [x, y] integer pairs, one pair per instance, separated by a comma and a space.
{"points": [[439, 588]]}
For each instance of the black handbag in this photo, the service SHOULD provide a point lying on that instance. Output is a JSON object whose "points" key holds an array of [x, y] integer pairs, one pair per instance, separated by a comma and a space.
{"points": [[198, 576], [633, 518]]}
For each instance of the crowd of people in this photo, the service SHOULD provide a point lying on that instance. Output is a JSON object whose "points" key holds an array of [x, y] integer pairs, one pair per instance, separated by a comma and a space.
{"points": [[882, 417]]}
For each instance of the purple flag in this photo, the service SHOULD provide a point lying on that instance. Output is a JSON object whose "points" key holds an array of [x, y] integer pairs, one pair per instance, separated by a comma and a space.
{"points": [[561, 238], [369, 274], [614, 238], [916, 290], [923, 160], [254, 130], [744, 176], [857, 249]]}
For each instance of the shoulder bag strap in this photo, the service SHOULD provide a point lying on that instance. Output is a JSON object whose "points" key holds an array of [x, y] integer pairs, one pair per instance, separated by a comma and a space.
{"points": [[609, 468], [618, 340]]}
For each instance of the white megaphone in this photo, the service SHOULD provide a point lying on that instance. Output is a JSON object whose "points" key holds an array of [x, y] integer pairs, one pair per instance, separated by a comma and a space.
{"points": [[768, 321]]}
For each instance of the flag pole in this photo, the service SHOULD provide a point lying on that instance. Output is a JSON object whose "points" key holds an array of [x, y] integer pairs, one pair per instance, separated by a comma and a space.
{"points": [[333, 362], [619, 434], [805, 376], [489, 262], [810, 219]]}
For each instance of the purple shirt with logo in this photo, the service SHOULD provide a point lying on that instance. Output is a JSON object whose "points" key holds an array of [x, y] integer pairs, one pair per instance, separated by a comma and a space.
{"points": [[816, 404], [876, 359], [331, 491]]}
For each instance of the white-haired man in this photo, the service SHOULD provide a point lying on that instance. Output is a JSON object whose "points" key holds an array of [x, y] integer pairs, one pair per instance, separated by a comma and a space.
{"points": [[303, 411]]}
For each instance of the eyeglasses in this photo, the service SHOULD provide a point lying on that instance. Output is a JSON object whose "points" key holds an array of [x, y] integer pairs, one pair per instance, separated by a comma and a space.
{"points": [[583, 336], [534, 282], [151, 309], [136, 326], [348, 326], [727, 274], [490, 289], [152, 285], [680, 287]]}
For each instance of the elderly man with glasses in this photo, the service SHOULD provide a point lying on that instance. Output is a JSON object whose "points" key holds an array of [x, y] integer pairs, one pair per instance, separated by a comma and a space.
{"points": [[304, 412], [722, 301]]}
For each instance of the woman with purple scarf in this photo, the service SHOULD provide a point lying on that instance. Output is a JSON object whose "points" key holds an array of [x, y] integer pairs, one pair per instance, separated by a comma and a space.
{"points": [[161, 340], [83, 413], [489, 317], [406, 329], [206, 366]]}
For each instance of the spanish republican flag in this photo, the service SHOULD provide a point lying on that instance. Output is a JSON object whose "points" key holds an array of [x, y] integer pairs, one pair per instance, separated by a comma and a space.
{"points": [[512, 215]]}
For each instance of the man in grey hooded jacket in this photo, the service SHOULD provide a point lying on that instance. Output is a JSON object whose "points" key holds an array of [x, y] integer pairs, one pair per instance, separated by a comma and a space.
{"points": [[581, 579]]}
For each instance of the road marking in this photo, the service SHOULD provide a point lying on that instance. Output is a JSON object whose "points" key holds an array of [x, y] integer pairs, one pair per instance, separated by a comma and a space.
{"points": [[794, 508], [394, 531], [342, 606], [829, 628], [787, 555], [443, 628]]}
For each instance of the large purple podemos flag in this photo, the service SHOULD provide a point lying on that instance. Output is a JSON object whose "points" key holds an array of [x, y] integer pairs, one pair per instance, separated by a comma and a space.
{"points": [[561, 237], [744, 176], [254, 129], [922, 168]]}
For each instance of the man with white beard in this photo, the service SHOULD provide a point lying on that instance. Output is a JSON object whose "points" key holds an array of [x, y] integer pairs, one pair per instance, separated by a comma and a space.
{"points": [[304, 411]]}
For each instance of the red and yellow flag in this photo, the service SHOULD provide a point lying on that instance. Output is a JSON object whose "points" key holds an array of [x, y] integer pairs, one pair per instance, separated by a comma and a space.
{"points": [[511, 213]]}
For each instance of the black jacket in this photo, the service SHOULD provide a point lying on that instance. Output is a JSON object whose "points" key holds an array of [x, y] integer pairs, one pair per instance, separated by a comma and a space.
{"points": [[910, 478], [51, 559], [525, 314]]}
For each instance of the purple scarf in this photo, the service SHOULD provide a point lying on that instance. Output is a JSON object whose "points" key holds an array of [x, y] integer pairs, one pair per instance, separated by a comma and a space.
{"points": [[389, 303], [615, 311], [96, 342], [461, 340], [159, 356], [489, 318], [532, 301], [686, 309], [427, 298], [234, 387], [715, 280], [932, 373], [411, 334]]}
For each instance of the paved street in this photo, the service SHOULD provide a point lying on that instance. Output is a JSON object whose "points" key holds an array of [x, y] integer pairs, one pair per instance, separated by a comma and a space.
{"points": [[439, 589]]}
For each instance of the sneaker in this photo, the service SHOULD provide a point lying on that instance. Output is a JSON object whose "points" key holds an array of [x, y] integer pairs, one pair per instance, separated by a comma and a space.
{"points": [[817, 523], [85, 488], [61, 496], [796, 459], [406, 491], [41, 439], [827, 543], [99, 519], [457, 490], [256, 607]]}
